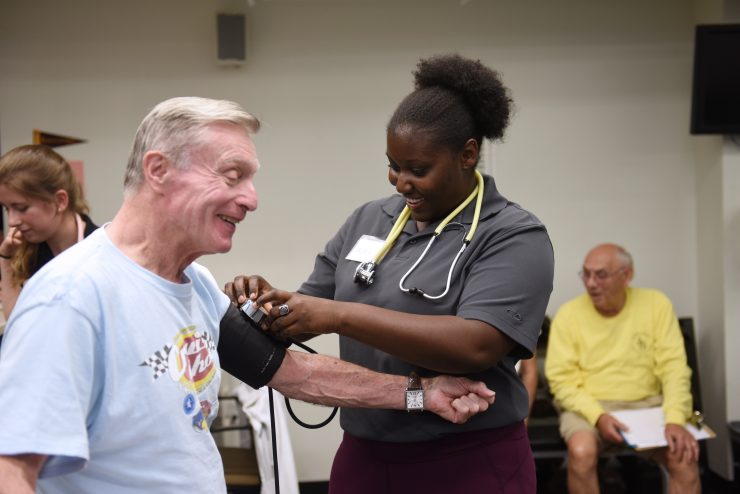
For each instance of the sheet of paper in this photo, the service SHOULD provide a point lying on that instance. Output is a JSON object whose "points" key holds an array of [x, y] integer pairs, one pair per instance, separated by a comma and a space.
{"points": [[647, 428]]}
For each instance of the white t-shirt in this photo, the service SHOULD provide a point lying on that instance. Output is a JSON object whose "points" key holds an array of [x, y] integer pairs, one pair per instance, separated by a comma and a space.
{"points": [[112, 372]]}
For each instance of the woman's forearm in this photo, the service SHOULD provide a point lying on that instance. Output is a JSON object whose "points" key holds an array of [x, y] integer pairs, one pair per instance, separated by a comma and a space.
{"points": [[448, 344]]}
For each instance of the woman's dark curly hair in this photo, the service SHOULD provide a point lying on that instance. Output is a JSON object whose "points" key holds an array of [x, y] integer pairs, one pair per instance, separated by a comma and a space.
{"points": [[455, 99]]}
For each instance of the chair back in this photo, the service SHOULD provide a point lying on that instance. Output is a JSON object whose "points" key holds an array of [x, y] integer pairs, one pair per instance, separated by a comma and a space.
{"points": [[689, 340]]}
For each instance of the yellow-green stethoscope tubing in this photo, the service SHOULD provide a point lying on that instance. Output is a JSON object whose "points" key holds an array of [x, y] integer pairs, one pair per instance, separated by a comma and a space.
{"points": [[398, 226]]}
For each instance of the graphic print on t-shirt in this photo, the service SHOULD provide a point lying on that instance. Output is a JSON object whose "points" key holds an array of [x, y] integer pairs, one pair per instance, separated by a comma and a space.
{"points": [[189, 362]]}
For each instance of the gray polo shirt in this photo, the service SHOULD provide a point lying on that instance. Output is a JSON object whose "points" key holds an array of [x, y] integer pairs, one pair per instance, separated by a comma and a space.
{"points": [[503, 278]]}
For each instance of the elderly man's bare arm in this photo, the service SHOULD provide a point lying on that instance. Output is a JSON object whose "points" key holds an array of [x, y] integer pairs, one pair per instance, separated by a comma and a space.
{"points": [[330, 381]]}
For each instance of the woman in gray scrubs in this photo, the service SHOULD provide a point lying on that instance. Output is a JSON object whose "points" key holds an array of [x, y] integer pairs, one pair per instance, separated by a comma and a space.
{"points": [[423, 282]]}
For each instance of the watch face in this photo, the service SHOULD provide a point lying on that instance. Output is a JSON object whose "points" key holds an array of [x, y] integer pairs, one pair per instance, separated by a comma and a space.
{"points": [[415, 400]]}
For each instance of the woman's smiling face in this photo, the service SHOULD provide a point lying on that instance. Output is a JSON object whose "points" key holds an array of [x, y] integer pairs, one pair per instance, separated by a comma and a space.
{"points": [[432, 178]]}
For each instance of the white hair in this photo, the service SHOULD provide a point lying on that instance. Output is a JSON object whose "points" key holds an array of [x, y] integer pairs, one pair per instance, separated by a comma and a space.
{"points": [[625, 258], [174, 125]]}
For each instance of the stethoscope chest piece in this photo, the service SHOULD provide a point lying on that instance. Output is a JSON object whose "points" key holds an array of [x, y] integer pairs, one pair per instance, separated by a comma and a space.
{"points": [[365, 273]]}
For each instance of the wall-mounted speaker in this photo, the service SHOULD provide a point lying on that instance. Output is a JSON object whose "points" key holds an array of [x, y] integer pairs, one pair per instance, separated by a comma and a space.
{"points": [[232, 46]]}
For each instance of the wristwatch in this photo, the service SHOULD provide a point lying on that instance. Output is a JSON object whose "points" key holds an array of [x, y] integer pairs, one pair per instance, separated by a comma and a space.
{"points": [[414, 394]]}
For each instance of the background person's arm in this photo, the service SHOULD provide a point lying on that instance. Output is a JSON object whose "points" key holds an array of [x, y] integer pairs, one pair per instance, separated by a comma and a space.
{"points": [[10, 290], [528, 375], [670, 363], [563, 372], [19, 473]]}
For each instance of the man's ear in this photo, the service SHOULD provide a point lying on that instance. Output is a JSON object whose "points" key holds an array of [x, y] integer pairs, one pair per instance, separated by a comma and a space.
{"points": [[470, 154], [157, 169], [628, 275], [61, 200]]}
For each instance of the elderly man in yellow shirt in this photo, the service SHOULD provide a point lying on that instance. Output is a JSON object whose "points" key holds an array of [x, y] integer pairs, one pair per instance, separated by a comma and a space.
{"points": [[618, 347]]}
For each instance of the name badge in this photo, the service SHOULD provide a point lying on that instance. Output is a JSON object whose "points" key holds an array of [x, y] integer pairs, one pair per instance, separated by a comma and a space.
{"points": [[365, 249]]}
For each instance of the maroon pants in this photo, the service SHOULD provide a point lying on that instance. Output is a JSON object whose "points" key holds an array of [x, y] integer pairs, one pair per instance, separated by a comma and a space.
{"points": [[491, 461]]}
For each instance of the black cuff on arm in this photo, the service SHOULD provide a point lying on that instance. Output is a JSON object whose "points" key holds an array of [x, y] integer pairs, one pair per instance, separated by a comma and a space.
{"points": [[247, 353]]}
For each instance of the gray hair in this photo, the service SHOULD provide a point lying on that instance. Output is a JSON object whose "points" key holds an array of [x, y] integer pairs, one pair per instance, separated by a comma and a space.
{"points": [[625, 258], [175, 124]]}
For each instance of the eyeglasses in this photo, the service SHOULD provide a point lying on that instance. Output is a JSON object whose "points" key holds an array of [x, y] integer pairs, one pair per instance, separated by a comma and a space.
{"points": [[599, 276]]}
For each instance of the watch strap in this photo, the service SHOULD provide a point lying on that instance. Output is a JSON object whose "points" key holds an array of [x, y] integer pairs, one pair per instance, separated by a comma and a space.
{"points": [[414, 382], [414, 394]]}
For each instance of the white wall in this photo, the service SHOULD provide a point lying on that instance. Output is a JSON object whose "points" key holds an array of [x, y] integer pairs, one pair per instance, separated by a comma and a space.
{"points": [[599, 147]]}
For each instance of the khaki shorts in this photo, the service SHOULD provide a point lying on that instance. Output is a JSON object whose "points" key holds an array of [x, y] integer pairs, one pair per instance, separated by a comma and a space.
{"points": [[572, 422]]}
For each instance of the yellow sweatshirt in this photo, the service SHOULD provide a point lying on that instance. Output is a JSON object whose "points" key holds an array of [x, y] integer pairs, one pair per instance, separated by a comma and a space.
{"points": [[633, 355]]}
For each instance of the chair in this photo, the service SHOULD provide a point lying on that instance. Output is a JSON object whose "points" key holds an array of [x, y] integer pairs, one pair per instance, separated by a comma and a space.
{"points": [[689, 340], [548, 448], [734, 428], [544, 435]]}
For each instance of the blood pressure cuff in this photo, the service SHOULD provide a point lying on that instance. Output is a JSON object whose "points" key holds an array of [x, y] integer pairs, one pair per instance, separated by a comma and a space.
{"points": [[246, 352]]}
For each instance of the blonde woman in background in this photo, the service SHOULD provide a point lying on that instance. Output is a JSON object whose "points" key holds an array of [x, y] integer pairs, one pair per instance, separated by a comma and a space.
{"points": [[46, 214]]}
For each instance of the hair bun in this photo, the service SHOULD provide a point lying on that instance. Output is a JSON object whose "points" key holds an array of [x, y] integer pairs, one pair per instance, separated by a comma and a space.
{"points": [[479, 86]]}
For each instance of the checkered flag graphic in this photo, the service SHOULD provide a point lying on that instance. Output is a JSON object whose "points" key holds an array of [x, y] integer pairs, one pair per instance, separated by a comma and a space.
{"points": [[158, 361], [209, 341]]}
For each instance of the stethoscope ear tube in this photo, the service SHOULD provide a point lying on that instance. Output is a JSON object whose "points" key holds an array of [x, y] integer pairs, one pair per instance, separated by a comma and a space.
{"points": [[365, 272], [290, 409], [304, 424], [419, 291]]}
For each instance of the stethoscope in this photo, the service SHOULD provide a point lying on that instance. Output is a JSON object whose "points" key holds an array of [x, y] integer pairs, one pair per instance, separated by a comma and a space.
{"points": [[365, 272]]}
